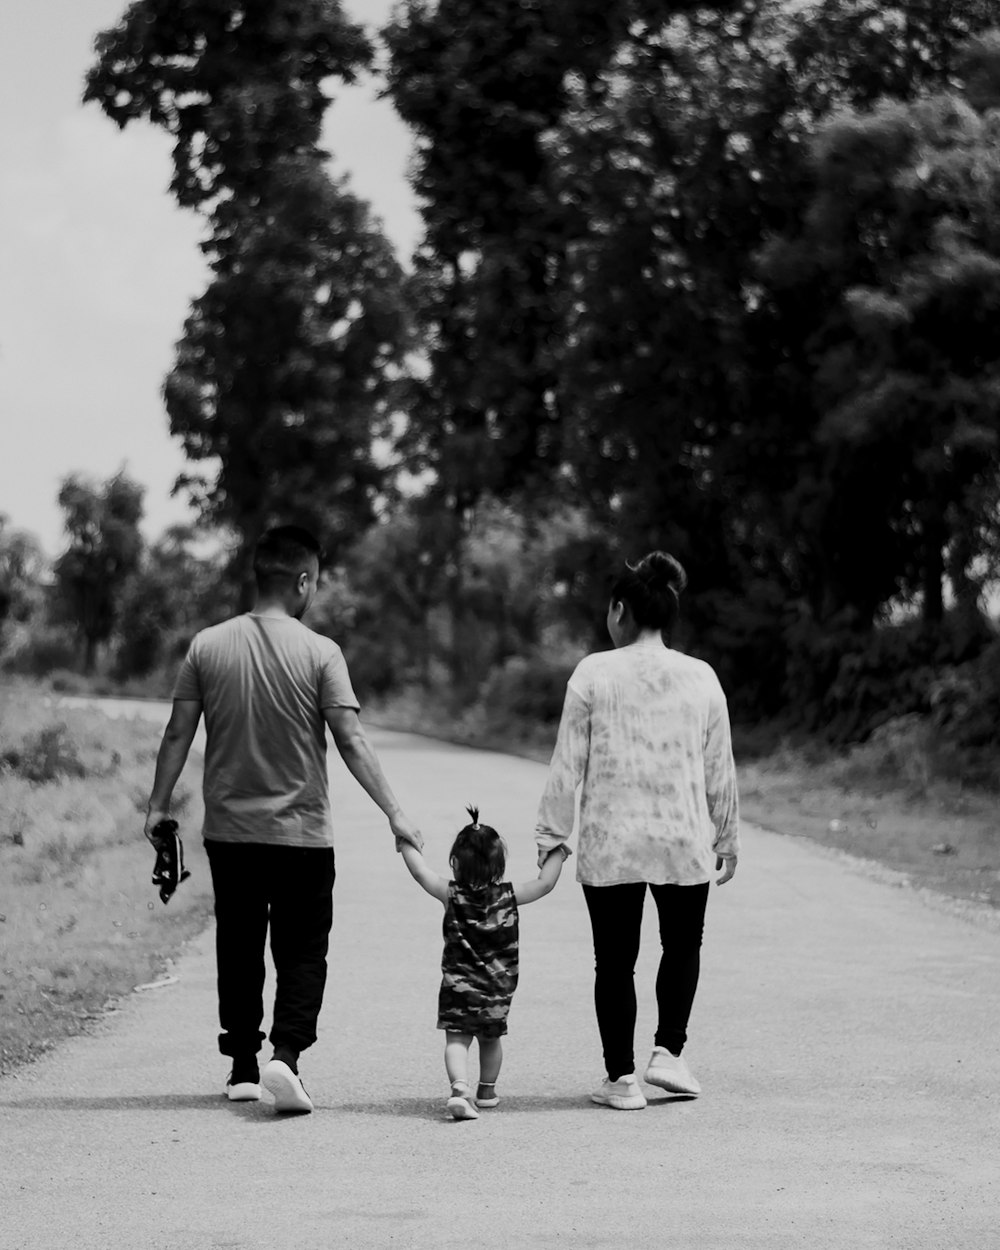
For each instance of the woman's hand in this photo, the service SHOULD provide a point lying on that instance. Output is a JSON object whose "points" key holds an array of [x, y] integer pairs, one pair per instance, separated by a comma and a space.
{"points": [[726, 864]]}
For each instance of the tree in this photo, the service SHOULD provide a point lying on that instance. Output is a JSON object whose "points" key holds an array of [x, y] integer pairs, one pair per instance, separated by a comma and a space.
{"points": [[177, 589], [903, 226], [286, 363], [105, 546], [239, 85], [285, 372], [22, 564]]}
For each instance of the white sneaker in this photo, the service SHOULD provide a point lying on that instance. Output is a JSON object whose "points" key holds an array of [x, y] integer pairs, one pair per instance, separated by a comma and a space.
{"points": [[287, 1088], [460, 1107], [670, 1072], [623, 1094], [242, 1091]]}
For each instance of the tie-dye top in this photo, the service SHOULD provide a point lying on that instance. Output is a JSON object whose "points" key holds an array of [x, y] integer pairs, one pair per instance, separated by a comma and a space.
{"points": [[645, 729]]}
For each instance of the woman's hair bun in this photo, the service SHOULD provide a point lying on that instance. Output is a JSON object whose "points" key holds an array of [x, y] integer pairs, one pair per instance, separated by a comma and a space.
{"points": [[661, 571], [652, 588]]}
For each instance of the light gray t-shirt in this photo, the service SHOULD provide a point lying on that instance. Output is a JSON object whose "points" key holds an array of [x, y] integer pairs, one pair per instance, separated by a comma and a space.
{"points": [[263, 683]]}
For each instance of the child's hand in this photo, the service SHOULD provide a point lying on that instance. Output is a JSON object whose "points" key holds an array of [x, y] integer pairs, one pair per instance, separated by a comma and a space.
{"points": [[544, 854]]}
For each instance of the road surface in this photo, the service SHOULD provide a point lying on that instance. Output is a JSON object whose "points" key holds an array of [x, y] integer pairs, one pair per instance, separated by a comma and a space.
{"points": [[846, 1036]]}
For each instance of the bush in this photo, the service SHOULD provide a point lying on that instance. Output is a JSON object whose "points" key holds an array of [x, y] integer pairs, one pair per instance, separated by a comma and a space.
{"points": [[965, 711], [844, 684], [45, 756], [38, 652], [526, 689]]}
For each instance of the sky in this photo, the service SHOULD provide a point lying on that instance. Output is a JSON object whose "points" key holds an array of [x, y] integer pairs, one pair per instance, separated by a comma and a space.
{"points": [[98, 266]]}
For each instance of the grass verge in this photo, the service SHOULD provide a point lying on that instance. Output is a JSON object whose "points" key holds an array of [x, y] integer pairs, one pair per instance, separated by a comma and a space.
{"points": [[80, 923]]}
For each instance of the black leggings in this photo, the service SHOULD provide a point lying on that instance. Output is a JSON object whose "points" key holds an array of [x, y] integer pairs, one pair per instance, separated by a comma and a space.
{"points": [[616, 921], [288, 889]]}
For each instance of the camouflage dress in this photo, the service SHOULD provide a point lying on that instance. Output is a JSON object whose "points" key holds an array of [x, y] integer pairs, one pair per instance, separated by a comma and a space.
{"points": [[479, 964]]}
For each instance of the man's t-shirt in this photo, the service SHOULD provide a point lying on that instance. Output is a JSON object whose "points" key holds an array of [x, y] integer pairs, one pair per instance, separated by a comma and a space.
{"points": [[263, 683]]}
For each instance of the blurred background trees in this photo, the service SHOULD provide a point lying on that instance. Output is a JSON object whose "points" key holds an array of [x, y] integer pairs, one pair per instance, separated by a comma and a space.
{"points": [[721, 278]]}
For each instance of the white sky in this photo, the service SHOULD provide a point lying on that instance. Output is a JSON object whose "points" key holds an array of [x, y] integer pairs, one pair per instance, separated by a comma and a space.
{"points": [[98, 266]]}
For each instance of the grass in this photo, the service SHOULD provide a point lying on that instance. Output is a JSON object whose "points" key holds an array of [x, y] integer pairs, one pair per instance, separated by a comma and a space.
{"points": [[886, 801], [80, 922]]}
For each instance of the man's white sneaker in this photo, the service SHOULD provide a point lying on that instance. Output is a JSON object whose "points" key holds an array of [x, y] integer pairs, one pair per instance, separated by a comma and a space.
{"points": [[242, 1091], [287, 1088], [670, 1072], [623, 1094]]}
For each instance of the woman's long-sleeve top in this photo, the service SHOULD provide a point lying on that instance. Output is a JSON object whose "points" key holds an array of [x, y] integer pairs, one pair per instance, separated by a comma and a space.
{"points": [[645, 735]]}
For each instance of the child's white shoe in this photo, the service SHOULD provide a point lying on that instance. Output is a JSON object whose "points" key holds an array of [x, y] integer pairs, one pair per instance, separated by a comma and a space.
{"points": [[670, 1072], [486, 1094], [623, 1094], [460, 1108]]}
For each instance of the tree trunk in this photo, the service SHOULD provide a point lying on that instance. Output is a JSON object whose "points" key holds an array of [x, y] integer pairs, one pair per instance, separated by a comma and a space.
{"points": [[935, 536]]}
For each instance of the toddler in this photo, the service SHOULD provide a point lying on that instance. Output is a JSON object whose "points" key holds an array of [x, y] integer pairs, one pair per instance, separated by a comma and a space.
{"points": [[479, 964]]}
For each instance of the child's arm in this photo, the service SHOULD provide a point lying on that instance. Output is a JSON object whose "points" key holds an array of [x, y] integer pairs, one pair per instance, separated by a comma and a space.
{"points": [[431, 882], [546, 879]]}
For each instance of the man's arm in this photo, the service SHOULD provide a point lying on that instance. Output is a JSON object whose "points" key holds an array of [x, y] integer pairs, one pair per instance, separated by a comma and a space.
{"points": [[359, 756], [171, 758]]}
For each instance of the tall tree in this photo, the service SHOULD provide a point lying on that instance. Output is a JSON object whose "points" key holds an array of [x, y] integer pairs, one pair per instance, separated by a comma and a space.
{"points": [[906, 377], [285, 366], [105, 547]]}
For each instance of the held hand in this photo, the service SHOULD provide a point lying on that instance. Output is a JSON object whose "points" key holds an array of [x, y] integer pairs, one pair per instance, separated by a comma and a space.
{"points": [[407, 831], [153, 818], [727, 864], [545, 852]]}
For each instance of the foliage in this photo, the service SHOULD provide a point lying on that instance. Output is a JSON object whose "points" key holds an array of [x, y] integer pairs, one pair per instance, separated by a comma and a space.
{"points": [[720, 278], [285, 368], [21, 569], [45, 756], [102, 523], [283, 373], [176, 591], [844, 682], [965, 704], [238, 86]]}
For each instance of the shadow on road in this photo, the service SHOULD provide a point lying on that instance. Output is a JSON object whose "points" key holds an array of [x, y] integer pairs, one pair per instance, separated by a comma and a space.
{"points": [[134, 1102]]}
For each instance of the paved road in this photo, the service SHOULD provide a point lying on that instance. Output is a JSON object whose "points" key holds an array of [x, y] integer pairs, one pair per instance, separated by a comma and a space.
{"points": [[846, 1036]]}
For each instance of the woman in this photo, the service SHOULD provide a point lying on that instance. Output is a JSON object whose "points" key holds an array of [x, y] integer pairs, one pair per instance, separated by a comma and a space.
{"points": [[645, 729]]}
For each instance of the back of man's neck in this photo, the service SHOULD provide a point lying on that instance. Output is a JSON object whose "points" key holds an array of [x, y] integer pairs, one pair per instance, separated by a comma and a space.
{"points": [[275, 611]]}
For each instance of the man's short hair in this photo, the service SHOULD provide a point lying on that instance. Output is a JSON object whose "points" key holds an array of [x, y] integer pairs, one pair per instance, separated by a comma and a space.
{"points": [[283, 553]]}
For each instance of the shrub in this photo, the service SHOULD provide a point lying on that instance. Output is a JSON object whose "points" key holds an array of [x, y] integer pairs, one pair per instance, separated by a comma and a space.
{"points": [[38, 652], [529, 689], [844, 684], [965, 711], [45, 756]]}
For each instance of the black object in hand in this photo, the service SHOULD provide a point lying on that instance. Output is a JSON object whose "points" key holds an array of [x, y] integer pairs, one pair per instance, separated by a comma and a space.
{"points": [[169, 870]]}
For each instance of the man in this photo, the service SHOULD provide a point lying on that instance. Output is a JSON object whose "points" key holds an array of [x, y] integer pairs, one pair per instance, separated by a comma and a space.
{"points": [[269, 687]]}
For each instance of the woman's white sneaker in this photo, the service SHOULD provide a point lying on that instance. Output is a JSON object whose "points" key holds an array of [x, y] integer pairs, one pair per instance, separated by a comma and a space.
{"points": [[623, 1094], [670, 1072]]}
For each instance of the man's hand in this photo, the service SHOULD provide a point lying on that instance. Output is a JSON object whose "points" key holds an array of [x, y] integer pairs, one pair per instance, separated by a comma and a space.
{"points": [[153, 818], [407, 831], [727, 865]]}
